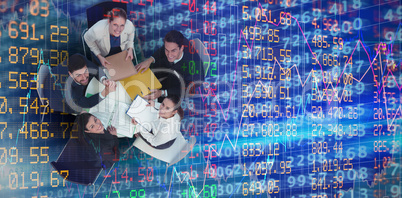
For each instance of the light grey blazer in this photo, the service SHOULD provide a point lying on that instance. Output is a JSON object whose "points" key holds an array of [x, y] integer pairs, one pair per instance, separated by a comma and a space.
{"points": [[98, 37]]}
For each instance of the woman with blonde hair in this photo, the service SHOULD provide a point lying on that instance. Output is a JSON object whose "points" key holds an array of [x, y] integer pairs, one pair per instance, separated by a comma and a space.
{"points": [[111, 36]]}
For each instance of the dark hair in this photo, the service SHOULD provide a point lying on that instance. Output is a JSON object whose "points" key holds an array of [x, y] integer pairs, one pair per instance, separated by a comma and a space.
{"points": [[76, 62], [116, 12], [81, 121], [176, 100], [174, 36]]}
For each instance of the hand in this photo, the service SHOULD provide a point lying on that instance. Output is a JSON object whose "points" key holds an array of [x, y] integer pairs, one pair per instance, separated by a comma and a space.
{"points": [[137, 135], [133, 121], [130, 54], [112, 130], [144, 65], [103, 60], [110, 86], [151, 103], [155, 93], [107, 82]]}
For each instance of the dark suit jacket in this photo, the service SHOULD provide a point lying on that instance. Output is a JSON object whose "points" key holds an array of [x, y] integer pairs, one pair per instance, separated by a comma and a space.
{"points": [[77, 91], [106, 146], [189, 68]]}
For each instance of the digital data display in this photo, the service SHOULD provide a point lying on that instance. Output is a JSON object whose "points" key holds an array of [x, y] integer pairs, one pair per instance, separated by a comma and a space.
{"points": [[301, 99]]}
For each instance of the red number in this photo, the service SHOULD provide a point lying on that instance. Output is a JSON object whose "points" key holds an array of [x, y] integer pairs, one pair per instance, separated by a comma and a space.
{"points": [[191, 130], [210, 150], [191, 48], [126, 176], [115, 177], [140, 174], [143, 4], [209, 28]]}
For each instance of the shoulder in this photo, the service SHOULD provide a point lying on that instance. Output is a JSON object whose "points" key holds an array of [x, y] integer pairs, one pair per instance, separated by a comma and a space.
{"points": [[174, 119], [129, 25], [188, 56], [100, 26], [159, 53]]}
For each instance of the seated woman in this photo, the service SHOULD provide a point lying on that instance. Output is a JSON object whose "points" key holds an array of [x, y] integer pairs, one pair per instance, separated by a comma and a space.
{"points": [[167, 127], [111, 36], [104, 141]]}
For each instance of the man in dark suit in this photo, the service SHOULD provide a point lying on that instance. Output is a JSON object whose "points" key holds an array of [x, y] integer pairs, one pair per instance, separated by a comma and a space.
{"points": [[183, 66], [81, 71]]}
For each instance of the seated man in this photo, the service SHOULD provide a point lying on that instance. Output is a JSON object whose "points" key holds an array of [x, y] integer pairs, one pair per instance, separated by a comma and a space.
{"points": [[173, 56], [82, 71]]}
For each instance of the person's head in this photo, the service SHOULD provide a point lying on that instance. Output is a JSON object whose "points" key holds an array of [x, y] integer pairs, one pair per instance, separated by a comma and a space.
{"points": [[78, 70], [117, 20], [173, 45], [170, 106], [89, 124]]}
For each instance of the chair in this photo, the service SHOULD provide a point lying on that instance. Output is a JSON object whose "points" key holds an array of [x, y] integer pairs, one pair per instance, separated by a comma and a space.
{"points": [[43, 76], [50, 90], [179, 149], [98, 12], [204, 56], [77, 166]]}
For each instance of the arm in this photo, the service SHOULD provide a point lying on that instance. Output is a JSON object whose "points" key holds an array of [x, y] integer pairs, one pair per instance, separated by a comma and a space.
{"points": [[100, 75], [153, 59], [85, 102], [90, 38], [130, 34], [112, 130], [110, 86], [154, 140], [130, 39], [79, 96], [144, 65], [164, 131], [110, 154]]}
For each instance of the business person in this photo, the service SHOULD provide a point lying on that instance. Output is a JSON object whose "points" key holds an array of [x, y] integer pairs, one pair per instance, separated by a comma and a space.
{"points": [[105, 142], [82, 71], [166, 128], [172, 56], [111, 36]]}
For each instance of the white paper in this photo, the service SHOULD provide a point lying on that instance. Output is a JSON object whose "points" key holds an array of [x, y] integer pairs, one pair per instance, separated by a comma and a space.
{"points": [[94, 87], [113, 112], [143, 114]]}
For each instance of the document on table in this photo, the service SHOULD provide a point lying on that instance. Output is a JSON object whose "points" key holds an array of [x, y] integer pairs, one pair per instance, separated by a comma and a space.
{"points": [[113, 112], [145, 115]]}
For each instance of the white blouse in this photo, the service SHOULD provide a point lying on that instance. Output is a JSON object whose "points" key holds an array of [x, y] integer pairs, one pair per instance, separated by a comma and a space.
{"points": [[163, 130]]}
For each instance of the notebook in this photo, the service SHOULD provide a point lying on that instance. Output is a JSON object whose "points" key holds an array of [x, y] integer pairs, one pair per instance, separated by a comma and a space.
{"points": [[141, 84], [143, 114]]}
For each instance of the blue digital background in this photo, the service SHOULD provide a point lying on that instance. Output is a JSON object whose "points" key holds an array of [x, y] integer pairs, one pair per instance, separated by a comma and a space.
{"points": [[268, 120]]}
